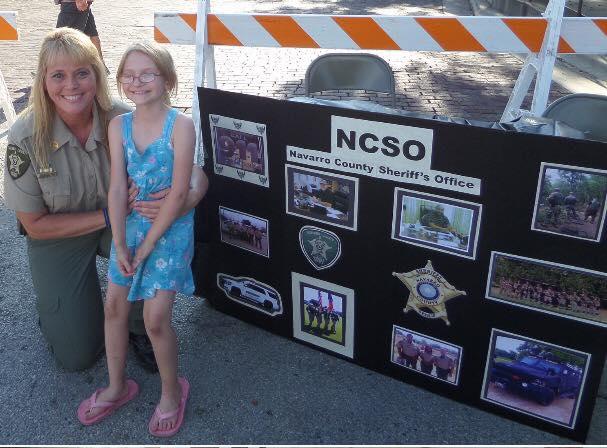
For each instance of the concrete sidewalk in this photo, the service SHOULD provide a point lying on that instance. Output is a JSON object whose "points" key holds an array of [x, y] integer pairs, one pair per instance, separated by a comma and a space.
{"points": [[248, 386]]}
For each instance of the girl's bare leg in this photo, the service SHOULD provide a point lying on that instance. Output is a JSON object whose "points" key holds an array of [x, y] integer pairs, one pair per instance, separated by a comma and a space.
{"points": [[116, 311], [157, 314]]}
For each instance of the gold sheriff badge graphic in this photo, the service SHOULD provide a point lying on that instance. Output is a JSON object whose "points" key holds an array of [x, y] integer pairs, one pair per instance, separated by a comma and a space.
{"points": [[428, 292]]}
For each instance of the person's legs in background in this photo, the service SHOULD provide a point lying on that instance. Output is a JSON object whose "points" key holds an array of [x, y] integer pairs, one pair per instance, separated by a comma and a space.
{"points": [[84, 21]]}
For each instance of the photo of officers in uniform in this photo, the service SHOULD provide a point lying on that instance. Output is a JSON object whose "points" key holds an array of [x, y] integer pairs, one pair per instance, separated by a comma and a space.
{"points": [[570, 201], [239, 150], [245, 231], [426, 355], [322, 196], [436, 222], [559, 289], [323, 314]]}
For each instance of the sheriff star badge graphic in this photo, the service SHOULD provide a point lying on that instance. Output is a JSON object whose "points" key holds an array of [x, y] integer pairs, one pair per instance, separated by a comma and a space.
{"points": [[429, 291]]}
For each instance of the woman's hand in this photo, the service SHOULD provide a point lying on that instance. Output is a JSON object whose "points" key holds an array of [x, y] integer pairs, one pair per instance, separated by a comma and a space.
{"points": [[82, 5], [150, 208], [123, 259]]}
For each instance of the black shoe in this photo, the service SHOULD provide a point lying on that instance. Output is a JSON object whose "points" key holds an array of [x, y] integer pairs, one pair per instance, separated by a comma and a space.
{"points": [[143, 352]]}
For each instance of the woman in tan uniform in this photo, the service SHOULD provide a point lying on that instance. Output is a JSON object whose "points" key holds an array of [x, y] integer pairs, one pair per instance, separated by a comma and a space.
{"points": [[56, 179]]}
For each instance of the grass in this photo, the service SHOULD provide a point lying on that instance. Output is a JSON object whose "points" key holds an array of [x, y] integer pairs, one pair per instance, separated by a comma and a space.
{"points": [[337, 337]]}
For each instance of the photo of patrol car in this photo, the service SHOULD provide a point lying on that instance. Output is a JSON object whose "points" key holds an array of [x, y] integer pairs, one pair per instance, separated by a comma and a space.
{"points": [[251, 293]]}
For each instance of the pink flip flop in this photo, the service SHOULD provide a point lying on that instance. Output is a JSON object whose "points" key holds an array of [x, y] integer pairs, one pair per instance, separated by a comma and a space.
{"points": [[108, 406], [179, 412]]}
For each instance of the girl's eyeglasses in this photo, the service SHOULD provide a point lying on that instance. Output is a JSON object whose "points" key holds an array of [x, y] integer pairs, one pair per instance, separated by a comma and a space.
{"points": [[143, 78]]}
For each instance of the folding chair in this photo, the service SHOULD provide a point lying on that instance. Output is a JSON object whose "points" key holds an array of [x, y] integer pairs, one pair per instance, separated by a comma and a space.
{"points": [[350, 71], [583, 111]]}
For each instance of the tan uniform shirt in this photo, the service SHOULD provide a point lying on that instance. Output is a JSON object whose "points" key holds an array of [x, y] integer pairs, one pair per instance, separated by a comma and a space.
{"points": [[79, 177], [443, 363]]}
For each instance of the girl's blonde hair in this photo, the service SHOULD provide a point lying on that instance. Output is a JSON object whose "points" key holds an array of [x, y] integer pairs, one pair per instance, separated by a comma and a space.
{"points": [[162, 60], [77, 46]]}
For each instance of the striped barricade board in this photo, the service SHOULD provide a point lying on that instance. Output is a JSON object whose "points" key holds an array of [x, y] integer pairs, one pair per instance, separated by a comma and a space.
{"points": [[8, 25], [428, 33], [8, 31]]}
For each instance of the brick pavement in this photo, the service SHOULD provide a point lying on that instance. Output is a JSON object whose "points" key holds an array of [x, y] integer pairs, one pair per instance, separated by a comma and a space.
{"points": [[466, 85]]}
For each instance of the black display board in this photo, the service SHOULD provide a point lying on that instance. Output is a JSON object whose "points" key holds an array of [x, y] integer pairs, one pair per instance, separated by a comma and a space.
{"points": [[530, 346]]}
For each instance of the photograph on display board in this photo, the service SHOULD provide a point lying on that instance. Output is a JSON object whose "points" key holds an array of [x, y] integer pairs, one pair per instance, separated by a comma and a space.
{"points": [[323, 314], [534, 377], [321, 196], [436, 222], [570, 201], [246, 231], [553, 288], [251, 293], [240, 149], [426, 355]]}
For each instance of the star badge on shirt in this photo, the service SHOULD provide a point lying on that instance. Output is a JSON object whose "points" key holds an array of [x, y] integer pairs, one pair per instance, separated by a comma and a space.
{"points": [[428, 292], [17, 161]]}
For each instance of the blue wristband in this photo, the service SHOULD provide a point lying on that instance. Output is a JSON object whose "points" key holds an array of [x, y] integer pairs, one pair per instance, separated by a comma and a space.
{"points": [[106, 216]]}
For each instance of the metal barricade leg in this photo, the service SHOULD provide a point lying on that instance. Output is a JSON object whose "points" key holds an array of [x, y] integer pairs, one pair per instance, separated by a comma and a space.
{"points": [[6, 103]]}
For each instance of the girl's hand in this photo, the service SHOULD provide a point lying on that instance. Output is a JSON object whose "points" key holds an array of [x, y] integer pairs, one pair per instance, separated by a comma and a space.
{"points": [[123, 258], [143, 251], [150, 208]]}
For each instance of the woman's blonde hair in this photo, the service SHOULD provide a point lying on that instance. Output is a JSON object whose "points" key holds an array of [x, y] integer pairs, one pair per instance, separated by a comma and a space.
{"points": [[77, 46], [161, 58]]}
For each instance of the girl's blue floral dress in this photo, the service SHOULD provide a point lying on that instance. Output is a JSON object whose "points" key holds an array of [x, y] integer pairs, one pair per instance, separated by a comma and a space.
{"points": [[168, 266]]}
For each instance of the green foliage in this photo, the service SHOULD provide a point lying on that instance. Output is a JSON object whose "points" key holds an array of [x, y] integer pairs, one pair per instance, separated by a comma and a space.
{"points": [[550, 275], [583, 185], [530, 348]]}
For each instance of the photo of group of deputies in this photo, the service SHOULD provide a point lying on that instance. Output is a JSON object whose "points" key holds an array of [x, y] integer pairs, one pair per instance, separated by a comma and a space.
{"points": [[322, 197], [560, 289], [323, 314], [425, 355], [245, 231], [239, 150], [571, 202]]}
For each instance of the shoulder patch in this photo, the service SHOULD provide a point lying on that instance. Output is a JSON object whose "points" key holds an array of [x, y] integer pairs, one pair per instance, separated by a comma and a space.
{"points": [[17, 161]]}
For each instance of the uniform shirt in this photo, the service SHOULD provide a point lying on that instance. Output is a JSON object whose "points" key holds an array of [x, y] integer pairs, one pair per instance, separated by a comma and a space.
{"points": [[79, 177], [434, 217]]}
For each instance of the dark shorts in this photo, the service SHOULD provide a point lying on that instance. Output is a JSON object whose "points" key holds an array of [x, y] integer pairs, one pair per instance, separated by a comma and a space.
{"points": [[80, 20]]}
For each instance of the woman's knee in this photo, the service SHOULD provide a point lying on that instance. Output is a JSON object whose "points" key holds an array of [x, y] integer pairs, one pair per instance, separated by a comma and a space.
{"points": [[79, 359]]}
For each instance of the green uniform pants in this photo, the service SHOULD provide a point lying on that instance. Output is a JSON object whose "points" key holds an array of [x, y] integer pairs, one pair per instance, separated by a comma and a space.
{"points": [[69, 303]]}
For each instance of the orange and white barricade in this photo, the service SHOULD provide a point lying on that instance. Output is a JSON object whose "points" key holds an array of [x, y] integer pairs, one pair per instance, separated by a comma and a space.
{"points": [[8, 31], [541, 38]]}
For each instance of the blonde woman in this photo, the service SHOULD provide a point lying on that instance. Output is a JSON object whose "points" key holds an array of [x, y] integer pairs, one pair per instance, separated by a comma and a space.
{"points": [[56, 179]]}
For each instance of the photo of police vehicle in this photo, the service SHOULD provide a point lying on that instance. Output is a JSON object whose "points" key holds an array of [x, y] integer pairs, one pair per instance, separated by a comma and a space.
{"points": [[539, 379], [251, 293]]}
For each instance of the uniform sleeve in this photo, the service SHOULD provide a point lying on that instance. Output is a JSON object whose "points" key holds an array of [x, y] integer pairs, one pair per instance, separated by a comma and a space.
{"points": [[22, 191]]}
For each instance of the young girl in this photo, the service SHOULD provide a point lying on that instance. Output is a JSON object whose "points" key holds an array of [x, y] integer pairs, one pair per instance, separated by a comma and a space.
{"points": [[150, 261]]}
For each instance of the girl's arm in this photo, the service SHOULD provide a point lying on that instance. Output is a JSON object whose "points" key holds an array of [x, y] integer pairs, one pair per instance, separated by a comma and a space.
{"points": [[118, 195], [184, 140]]}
